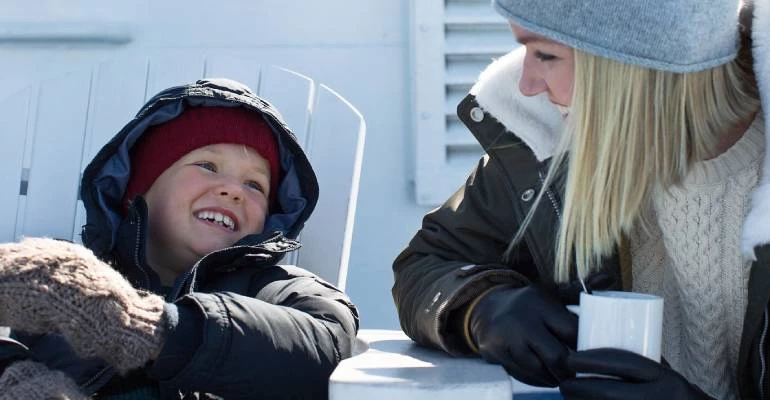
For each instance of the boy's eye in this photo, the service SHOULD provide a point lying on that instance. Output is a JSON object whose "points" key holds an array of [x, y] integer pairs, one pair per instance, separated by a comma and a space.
{"points": [[254, 185], [544, 56], [207, 165]]}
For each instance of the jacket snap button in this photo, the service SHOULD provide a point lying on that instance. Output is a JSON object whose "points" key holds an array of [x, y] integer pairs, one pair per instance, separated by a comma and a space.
{"points": [[528, 194], [477, 114]]}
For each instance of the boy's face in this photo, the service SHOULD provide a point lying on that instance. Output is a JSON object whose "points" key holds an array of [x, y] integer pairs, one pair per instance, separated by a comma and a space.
{"points": [[205, 201]]}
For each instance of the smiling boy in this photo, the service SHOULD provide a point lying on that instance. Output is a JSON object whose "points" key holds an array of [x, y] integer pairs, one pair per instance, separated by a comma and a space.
{"points": [[203, 202], [189, 209], [205, 187]]}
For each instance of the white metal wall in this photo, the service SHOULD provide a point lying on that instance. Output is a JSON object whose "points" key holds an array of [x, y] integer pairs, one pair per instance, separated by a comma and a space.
{"points": [[361, 49], [453, 40]]}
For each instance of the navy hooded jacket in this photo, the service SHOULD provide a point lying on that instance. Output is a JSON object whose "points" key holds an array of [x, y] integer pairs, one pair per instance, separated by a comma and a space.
{"points": [[241, 326]]}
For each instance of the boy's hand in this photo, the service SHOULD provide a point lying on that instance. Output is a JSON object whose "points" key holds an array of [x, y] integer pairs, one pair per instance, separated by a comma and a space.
{"points": [[31, 380], [632, 377], [51, 286]]}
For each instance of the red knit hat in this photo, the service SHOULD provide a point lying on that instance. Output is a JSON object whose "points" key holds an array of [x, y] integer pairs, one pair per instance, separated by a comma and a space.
{"points": [[164, 144]]}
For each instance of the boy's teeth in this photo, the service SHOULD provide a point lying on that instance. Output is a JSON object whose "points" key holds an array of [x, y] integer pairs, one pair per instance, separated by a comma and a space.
{"points": [[221, 219]]}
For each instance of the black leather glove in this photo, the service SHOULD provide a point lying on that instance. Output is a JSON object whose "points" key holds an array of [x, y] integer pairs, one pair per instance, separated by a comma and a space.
{"points": [[634, 377], [527, 331]]}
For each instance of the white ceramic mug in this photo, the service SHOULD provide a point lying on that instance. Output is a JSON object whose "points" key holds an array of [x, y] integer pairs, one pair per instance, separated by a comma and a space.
{"points": [[623, 320]]}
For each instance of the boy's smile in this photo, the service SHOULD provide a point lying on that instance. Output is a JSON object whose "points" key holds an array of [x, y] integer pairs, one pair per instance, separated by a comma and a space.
{"points": [[207, 200], [219, 217]]}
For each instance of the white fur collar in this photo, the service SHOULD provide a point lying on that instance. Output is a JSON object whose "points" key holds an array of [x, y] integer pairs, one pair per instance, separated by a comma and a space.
{"points": [[756, 228], [533, 119], [538, 123]]}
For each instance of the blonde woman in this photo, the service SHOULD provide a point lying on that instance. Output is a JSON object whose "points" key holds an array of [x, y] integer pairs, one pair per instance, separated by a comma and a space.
{"points": [[633, 154]]}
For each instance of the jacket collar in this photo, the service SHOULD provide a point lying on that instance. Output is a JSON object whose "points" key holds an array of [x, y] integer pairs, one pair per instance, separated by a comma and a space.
{"points": [[130, 254], [267, 252], [533, 119]]}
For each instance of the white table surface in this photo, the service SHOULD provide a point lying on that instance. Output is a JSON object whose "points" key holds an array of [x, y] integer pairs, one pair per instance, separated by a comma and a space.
{"points": [[388, 365]]}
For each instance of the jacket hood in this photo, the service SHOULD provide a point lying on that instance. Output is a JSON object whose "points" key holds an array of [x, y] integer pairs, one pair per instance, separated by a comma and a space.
{"points": [[539, 124], [106, 176]]}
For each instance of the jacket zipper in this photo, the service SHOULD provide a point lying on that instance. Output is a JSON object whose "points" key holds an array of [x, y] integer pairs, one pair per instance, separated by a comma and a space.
{"points": [[763, 385], [136, 251], [182, 282], [95, 378], [557, 210], [108, 368], [551, 197]]}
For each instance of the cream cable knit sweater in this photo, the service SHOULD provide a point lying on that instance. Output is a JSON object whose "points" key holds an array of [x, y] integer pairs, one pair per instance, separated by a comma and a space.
{"points": [[692, 257]]}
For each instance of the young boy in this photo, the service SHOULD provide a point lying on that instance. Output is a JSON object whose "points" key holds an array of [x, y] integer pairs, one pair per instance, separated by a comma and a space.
{"points": [[189, 209]]}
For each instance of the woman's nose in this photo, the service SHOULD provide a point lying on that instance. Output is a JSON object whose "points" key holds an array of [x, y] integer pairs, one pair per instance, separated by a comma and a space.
{"points": [[530, 83], [530, 86]]}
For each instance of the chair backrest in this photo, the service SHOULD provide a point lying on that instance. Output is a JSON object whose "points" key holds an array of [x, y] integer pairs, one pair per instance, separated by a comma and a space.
{"points": [[52, 129]]}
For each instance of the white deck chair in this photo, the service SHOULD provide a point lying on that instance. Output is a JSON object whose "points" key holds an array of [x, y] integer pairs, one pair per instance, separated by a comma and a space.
{"points": [[52, 130]]}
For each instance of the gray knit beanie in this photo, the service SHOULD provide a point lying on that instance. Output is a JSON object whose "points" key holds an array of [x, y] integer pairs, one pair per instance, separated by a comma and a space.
{"points": [[669, 35]]}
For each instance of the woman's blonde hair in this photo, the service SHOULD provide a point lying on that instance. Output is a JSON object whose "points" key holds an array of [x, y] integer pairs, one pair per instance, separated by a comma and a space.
{"points": [[629, 130]]}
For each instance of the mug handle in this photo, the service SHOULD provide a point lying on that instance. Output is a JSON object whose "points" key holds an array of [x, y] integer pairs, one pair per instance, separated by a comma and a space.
{"points": [[574, 308]]}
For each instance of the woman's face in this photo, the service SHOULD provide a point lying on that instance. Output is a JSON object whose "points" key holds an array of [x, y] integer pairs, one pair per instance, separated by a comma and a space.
{"points": [[548, 67]]}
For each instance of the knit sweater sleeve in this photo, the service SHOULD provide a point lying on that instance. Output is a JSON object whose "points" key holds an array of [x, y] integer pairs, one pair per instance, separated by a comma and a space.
{"points": [[290, 324]]}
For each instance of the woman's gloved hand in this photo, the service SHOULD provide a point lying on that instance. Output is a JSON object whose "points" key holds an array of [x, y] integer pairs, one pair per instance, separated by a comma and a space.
{"points": [[52, 286], [527, 331], [34, 381], [633, 377]]}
